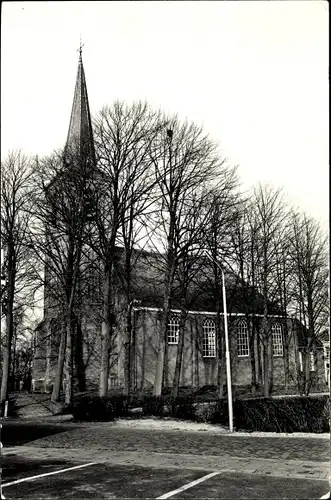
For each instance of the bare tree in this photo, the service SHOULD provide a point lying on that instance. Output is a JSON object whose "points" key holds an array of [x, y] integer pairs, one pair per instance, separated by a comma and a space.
{"points": [[62, 208], [222, 205], [284, 290], [268, 216], [310, 278], [186, 160], [188, 241], [22, 350], [124, 141], [242, 258], [16, 178]]}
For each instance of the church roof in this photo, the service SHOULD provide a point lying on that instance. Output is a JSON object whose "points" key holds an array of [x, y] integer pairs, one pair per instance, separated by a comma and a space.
{"points": [[80, 134], [148, 286]]}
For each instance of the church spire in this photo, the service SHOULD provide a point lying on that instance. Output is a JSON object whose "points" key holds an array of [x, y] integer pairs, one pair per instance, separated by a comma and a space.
{"points": [[80, 135]]}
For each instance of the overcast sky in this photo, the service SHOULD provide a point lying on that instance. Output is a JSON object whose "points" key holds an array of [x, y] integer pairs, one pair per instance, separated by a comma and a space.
{"points": [[255, 74]]}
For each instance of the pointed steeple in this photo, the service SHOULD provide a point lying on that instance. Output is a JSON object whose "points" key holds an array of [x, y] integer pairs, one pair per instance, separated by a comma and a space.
{"points": [[80, 134]]}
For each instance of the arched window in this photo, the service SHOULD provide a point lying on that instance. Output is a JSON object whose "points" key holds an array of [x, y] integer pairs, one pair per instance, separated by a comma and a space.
{"points": [[311, 361], [277, 339], [242, 339], [173, 330], [209, 339], [112, 381]]}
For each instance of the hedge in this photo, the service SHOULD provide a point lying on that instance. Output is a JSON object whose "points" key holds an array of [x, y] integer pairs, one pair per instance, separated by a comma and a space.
{"points": [[94, 408], [296, 414]]}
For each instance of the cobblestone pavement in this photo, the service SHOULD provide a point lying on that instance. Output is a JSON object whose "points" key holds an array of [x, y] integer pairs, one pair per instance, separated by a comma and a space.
{"points": [[194, 443], [305, 469], [295, 457]]}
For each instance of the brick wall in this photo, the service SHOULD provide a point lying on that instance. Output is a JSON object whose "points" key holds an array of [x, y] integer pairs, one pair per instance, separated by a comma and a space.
{"points": [[197, 370]]}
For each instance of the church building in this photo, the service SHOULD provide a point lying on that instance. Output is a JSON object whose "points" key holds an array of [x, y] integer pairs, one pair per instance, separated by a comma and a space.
{"points": [[200, 357]]}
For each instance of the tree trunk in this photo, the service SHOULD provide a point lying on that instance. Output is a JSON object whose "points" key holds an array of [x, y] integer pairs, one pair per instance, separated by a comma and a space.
{"points": [[259, 357], [60, 366], [266, 337], [265, 370], [307, 373], [220, 354], [252, 356], [197, 353], [165, 377], [179, 357], [106, 332], [79, 361], [271, 365], [143, 356], [133, 355], [69, 360], [105, 349], [161, 370], [13, 371], [6, 354], [286, 369], [127, 351], [192, 357], [286, 357], [9, 325], [286, 335], [161, 358]]}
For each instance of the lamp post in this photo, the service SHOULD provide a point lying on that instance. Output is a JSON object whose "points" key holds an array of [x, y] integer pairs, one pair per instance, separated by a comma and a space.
{"points": [[227, 355], [227, 346]]}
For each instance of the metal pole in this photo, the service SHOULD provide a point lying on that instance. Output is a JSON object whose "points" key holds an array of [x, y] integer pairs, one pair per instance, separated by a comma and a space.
{"points": [[227, 349], [6, 409], [227, 355]]}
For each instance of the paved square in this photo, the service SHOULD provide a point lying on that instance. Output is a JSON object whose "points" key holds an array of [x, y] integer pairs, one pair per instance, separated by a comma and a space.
{"points": [[107, 461]]}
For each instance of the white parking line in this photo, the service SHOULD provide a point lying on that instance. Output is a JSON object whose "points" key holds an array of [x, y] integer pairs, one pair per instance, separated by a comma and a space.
{"points": [[327, 495], [187, 486], [46, 474]]}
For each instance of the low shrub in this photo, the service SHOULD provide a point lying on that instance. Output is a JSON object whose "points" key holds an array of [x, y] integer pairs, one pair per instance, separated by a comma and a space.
{"points": [[182, 407], [121, 405], [299, 414], [95, 408], [206, 389], [153, 405], [206, 411], [294, 414]]}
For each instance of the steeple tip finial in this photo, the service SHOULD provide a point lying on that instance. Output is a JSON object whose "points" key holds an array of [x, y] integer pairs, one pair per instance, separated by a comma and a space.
{"points": [[81, 45]]}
